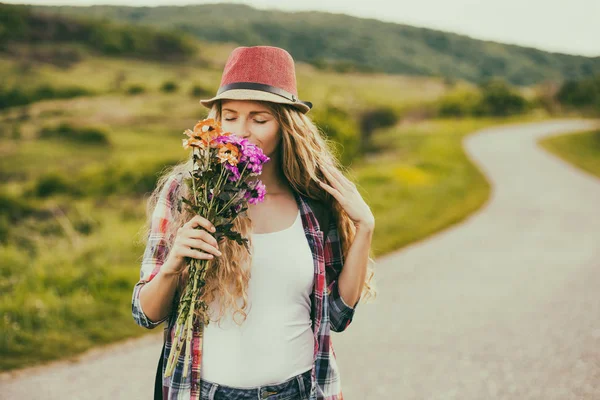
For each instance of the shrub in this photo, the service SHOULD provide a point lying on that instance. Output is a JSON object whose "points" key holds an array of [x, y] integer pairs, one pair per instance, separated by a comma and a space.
{"points": [[91, 136], [50, 184], [169, 87], [374, 119], [341, 130], [583, 93], [199, 91], [459, 104], [135, 89], [18, 96], [14, 208], [498, 99], [494, 98]]}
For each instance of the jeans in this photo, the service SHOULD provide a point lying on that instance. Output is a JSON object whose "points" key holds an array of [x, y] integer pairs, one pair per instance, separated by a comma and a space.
{"points": [[295, 388]]}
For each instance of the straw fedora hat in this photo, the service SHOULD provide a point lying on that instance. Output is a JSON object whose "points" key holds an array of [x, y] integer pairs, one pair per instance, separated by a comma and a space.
{"points": [[261, 73]]}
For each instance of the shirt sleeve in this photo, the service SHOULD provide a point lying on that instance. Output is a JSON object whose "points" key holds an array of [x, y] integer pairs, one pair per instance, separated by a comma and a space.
{"points": [[156, 250], [340, 313]]}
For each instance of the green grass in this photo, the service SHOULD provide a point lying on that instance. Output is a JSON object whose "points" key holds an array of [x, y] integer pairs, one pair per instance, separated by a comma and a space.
{"points": [[424, 182], [69, 296], [580, 149]]}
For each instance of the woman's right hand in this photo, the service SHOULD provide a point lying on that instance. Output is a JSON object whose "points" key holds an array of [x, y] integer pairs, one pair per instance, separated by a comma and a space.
{"points": [[193, 243]]}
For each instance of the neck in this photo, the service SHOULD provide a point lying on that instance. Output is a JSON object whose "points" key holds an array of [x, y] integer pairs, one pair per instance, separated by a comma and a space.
{"points": [[272, 176]]}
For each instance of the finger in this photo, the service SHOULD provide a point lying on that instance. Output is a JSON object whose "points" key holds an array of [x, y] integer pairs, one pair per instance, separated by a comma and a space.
{"points": [[330, 178], [200, 234], [198, 244], [188, 252], [334, 192], [201, 221], [342, 178]]}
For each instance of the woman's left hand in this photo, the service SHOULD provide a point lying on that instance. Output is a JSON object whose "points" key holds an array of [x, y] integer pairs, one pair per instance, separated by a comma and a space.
{"points": [[346, 193]]}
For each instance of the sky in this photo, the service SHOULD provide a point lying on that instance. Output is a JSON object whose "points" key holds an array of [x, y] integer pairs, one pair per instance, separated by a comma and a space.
{"points": [[569, 27]]}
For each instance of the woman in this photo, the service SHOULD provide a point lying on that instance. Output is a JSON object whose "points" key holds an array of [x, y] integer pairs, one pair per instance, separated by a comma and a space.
{"points": [[306, 279]]}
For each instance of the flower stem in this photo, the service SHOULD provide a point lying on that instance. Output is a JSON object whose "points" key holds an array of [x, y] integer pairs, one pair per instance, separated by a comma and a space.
{"points": [[190, 318], [175, 350], [241, 175], [214, 194]]}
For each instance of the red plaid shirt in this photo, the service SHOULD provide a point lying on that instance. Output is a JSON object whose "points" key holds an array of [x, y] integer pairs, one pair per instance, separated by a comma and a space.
{"points": [[328, 309]]}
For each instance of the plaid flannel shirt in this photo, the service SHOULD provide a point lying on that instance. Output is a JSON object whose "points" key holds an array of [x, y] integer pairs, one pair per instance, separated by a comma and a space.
{"points": [[328, 310]]}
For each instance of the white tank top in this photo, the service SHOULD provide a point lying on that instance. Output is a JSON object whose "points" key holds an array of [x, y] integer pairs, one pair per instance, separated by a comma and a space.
{"points": [[276, 341]]}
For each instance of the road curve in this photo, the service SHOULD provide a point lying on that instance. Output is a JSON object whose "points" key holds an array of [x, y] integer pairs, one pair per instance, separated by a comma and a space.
{"points": [[505, 305]]}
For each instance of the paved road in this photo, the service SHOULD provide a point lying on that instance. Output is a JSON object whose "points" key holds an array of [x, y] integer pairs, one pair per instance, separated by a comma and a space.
{"points": [[503, 306]]}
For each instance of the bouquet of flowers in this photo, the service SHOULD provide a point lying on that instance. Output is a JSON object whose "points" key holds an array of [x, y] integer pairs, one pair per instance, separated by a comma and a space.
{"points": [[223, 182]]}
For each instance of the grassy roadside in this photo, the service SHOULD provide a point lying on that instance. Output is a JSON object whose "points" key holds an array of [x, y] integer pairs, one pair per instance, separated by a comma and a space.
{"points": [[425, 182], [580, 149]]}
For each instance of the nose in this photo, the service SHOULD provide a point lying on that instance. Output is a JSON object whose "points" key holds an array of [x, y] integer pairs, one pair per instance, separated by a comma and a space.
{"points": [[245, 131]]}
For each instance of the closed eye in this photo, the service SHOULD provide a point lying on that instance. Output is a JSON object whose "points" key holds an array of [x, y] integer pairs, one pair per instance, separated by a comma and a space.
{"points": [[258, 122]]}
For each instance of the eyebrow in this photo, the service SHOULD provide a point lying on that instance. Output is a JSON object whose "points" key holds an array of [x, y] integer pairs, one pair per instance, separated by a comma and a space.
{"points": [[251, 112]]}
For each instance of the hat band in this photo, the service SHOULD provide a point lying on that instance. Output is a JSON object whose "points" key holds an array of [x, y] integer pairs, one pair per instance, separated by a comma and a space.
{"points": [[264, 88]]}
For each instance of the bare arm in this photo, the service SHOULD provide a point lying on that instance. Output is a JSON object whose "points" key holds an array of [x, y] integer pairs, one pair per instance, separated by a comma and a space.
{"points": [[353, 273], [156, 296]]}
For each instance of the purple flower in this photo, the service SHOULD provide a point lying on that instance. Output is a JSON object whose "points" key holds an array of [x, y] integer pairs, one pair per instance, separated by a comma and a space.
{"points": [[235, 173], [256, 192], [252, 156]]}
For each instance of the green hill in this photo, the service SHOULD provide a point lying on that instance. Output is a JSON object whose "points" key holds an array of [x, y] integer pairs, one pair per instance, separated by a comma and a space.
{"points": [[21, 25], [342, 42]]}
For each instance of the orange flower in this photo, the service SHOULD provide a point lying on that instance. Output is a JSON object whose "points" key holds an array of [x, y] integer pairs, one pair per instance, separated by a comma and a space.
{"points": [[204, 134], [207, 124], [207, 130], [228, 152], [193, 142], [189, 133]]}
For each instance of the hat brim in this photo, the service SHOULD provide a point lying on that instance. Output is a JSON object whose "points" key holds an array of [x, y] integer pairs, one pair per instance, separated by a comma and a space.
{"points": [[257, 95]]}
